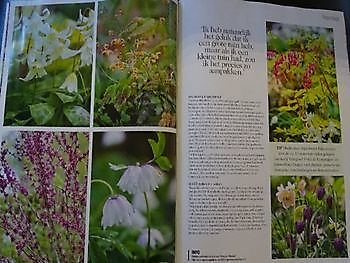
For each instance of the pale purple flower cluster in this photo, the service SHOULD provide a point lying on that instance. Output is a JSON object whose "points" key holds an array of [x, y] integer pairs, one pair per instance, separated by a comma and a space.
{"points": [[47, 196], [141, 181]]}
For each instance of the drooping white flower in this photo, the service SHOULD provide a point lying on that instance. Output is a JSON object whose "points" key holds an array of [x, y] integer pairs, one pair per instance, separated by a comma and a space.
{"points": [[70, 83], [140, 179], [331, 130], [34, 72], [86, 52], [139, 201], [155, 238], [86, 26], [117, 210], [36, 24]]}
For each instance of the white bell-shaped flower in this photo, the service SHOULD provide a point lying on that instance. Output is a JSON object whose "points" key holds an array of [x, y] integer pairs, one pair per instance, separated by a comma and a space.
{"points": [[140, 179], [117, 210]]}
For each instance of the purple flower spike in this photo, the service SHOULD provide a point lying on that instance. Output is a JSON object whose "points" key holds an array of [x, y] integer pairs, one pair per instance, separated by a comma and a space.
{"points": [[329, 201], [117, 211], [320, 193], [338, 244], [299, 226], [319, 220], [307, 213], [313, 239], [292, 243]]}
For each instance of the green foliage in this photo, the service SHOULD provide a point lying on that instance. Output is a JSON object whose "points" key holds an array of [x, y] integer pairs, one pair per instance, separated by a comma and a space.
{"points": [[135, 74], [303, 94]]}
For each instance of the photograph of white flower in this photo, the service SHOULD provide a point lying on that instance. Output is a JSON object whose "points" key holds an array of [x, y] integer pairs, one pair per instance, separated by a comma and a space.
{"points": [[49, 79], [132, 204]]}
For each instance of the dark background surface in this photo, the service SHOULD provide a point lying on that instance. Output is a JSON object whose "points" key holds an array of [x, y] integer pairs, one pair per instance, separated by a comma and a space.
{"points": [[339, 5]]}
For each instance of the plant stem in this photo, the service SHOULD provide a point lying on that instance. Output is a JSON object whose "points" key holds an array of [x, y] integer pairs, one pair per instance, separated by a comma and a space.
{"points": [[83, 83], [105, 183], [148, 227]]}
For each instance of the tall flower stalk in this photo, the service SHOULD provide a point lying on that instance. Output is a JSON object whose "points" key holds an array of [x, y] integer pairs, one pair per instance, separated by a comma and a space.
{"points": [[43, 187]]}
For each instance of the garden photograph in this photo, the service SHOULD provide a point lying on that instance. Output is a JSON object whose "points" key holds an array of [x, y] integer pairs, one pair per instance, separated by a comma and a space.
{"points": [[49, 77], [302, 84], [308, 217], [132, 204], [43, 185], [136, 63]]}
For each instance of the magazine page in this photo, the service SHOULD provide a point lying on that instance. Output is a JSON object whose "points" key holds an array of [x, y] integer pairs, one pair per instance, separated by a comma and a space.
{"points": [[263, 159], [87, 131]]}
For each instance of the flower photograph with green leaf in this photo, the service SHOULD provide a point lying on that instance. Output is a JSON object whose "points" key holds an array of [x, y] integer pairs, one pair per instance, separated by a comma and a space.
{"points": [[132, 204], [136, 63], [308, 217], [302, 84], [49, 80]]}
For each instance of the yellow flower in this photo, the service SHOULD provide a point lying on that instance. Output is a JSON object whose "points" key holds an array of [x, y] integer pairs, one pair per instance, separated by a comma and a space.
{"points": [[286, 196], [117, 66], [117, 43]]}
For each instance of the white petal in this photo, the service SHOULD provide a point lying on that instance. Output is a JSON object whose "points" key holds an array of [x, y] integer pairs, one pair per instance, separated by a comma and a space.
{"points": [[70, 83]]}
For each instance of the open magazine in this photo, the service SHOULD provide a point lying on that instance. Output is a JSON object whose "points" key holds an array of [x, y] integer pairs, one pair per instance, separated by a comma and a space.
{"points": [[114, 112]]}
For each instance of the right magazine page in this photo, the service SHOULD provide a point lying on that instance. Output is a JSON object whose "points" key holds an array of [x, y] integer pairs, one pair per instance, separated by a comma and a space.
{"points": [[263, 134]]}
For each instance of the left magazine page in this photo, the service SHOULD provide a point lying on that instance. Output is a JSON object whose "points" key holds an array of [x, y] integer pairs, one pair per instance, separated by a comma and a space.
{"points": [[88, 131]]}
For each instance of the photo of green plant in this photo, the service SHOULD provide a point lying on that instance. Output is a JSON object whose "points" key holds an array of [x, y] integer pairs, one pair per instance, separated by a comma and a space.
{"points": [[132, 204], [302, 84], [308, 217], [136, 63], [43, 183], [49, 80]]}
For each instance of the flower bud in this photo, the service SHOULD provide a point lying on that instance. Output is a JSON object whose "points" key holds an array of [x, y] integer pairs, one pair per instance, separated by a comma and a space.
{"points": [[307, 213], [319, 220], [313, 239], [338, 244], [329, 201], [299, 226], [320, 193]]}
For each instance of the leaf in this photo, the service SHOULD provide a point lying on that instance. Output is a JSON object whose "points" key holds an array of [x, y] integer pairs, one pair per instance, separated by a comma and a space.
{"points": [[147, 25], [42, 113], [117, 167], [65, 98], [77, 116], [122, 249], [124, 117], [298, 212], [277, 44], [157, 147], [161, 143], [164, 163], [154, 147], [288, 108]]}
